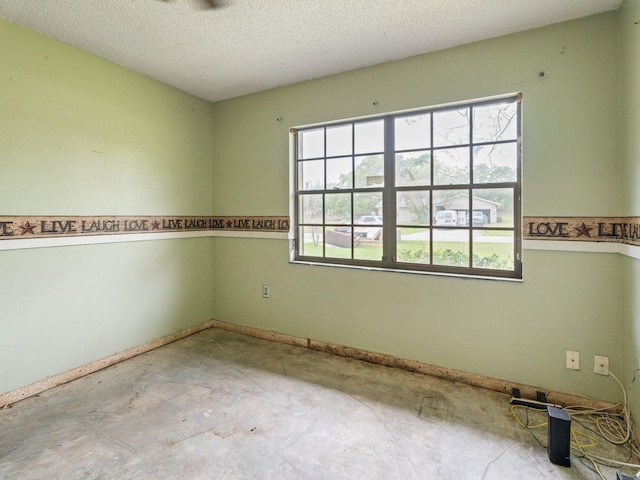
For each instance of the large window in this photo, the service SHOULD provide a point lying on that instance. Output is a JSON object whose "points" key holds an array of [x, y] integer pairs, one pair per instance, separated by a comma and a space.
{"points": [[434, 190]]}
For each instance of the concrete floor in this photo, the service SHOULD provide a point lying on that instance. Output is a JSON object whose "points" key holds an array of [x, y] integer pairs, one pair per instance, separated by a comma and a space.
{"points": [[226, 406]]}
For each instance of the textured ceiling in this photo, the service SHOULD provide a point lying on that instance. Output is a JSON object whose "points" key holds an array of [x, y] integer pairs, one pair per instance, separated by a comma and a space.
{"points": [[244, 46]]}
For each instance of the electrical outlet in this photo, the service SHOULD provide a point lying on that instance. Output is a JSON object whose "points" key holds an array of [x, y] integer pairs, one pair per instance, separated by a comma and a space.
{"points": [[266, 291], [601, 365], [572, 360]]}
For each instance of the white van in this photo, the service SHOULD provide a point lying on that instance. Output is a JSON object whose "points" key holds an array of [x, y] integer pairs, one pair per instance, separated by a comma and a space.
{"points": [[447, 217]]}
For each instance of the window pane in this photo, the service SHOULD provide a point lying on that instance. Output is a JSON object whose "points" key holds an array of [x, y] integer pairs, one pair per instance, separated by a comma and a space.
{"points": [[338, 242], [339, 172], [369, 137], [367, 208], [368, 246], [337, 208], [451, 166], [413, 169], [412, 208], [312, 239], [310, 208], [492, 123], [496, 205], [451, 127], [495, 163], [311, 175], [493, 249], [311, 143], [413, 132], [451, 247], [413, 245], [339, 140], [451, 208], [369, 171]]}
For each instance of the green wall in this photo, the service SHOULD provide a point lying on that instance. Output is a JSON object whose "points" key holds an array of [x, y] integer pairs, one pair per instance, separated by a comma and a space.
{"points": [[82, 136], [629, 24], [512, 331]]}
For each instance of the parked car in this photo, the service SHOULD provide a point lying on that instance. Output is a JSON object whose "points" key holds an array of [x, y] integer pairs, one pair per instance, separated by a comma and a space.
{"points": [[479, 219], [369, 219], [447, 217]]}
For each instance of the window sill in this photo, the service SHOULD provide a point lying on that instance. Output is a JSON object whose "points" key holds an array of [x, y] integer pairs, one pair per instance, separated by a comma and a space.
{"points": [[405, 271]]}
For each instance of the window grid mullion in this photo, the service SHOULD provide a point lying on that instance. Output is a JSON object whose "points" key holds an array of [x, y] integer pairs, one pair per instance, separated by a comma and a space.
{"points": [[389, 247], [324, 195], [431, 175], [471, 182], [353, 186], [323, 226], [517, 212]]}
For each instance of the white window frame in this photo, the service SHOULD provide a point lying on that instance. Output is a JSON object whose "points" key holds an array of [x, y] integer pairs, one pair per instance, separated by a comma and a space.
{"points": [[390, 224]]}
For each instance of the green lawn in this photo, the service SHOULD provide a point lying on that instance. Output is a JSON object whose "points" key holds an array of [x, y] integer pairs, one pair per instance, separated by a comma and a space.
{"points": [[361, 252], [489, 255]]}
